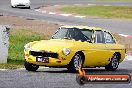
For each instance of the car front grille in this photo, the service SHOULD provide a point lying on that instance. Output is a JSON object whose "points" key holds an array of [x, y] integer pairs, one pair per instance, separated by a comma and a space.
{"points": [[44, 54], [20, 5]]}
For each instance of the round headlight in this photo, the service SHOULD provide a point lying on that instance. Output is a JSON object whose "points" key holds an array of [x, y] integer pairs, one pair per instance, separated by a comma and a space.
{"points": [[66, 51], [26, 47]]}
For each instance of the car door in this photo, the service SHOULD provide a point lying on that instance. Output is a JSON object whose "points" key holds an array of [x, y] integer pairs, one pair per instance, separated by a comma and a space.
{"points": [[97, 53]]}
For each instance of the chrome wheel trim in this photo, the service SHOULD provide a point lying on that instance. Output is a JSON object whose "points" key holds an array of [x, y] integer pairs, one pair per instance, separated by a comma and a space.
{"points": [[34, 66], [77, 61], [115, 62]]}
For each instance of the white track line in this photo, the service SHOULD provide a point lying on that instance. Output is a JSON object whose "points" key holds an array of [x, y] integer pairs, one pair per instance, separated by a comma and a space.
{"points": [[77, 4], [65, 14], [38, 10], [52, 13], [128, 58], [92, 4], [3, 69], [56, 5], [107, 5], [44, 11], [80, 16], [124, 35]]}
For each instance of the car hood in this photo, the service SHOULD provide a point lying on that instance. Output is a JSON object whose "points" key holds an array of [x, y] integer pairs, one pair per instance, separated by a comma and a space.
{"points": [[52, 45]]}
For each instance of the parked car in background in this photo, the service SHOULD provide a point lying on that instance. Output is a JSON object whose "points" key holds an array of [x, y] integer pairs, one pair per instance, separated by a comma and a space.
{"points": [[21, 3], [75, 46]]}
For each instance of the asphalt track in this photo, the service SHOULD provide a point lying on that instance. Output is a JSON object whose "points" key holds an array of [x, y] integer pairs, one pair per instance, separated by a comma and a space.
{"points": [[59, 77]]}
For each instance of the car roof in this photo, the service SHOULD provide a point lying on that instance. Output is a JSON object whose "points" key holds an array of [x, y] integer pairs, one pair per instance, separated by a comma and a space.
{"points": [[83, 27]]}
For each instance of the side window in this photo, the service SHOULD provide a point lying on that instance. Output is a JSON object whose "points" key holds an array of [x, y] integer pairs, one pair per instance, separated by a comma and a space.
{"points": [[108, 38], [99, 37]]}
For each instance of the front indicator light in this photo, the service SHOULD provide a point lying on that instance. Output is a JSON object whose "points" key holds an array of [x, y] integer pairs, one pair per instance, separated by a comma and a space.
{"points": [[29, 59], [27, 55], [58, 61]]}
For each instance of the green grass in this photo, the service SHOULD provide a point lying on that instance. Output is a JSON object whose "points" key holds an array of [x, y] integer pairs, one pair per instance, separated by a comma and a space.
{"points": [[18, 38], [116, 0], [12, 64], [101, 11]]}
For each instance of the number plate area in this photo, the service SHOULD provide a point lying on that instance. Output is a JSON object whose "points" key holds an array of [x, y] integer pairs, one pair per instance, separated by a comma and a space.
{"points": [[42, 59]]}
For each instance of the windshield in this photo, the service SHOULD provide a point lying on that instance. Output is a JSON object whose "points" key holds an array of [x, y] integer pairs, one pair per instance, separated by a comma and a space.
{"points": [[73, 33]]}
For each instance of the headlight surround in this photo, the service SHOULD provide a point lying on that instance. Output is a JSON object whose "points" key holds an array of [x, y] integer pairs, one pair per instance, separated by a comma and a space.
{"points": [[66, 51], [26, 47]]}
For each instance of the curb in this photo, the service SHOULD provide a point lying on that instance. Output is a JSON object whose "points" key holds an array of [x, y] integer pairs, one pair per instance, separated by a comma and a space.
{"points": [[128, 56], [127, 36], [60, 14], [63, 14]]}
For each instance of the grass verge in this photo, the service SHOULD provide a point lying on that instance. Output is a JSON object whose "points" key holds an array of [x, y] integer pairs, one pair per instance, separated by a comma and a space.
{"points": [[101, 11], [18, 38]]}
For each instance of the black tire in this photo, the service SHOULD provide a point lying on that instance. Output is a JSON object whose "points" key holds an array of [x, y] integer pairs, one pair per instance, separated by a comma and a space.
{"points": [[30, 67], [75, 63], [80, 80], [12, 6], [113, 65], [28, 7]]}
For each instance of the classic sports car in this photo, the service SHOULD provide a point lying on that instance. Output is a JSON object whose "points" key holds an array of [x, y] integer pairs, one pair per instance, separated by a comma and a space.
{"points": [[75, 46]]}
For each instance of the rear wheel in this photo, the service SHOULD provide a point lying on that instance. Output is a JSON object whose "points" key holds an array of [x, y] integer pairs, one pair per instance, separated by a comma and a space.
{"points": [[30, 67], [113, 65], [28, 7], [75, 63]]}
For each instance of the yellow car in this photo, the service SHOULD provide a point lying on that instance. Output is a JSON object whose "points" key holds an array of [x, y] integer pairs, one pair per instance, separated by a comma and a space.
{"points": [[75, 46]]}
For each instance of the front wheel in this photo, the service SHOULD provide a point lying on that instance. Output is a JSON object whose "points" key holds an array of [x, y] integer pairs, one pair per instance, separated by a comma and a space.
{"points": [[75, 63], [12, 6], [28, 7], [113, 65], [30, 67]]}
